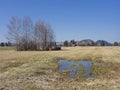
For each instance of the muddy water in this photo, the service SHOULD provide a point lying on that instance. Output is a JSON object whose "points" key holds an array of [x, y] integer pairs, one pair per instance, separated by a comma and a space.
{"points": [[73, 67]]}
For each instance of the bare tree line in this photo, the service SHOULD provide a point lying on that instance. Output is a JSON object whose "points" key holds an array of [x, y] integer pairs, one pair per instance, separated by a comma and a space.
{"points": [[29, 36]]}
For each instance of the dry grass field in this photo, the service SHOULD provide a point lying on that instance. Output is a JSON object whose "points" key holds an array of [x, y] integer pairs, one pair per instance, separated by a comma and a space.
{"points": [[37, 70]]}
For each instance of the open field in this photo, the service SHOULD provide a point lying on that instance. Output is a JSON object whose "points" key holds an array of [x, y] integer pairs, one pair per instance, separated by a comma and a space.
{"points": [[35, 70], [7, 48]]}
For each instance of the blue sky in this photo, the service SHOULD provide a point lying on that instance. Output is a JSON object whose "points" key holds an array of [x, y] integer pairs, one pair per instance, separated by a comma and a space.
{"points": [[70, 19]]}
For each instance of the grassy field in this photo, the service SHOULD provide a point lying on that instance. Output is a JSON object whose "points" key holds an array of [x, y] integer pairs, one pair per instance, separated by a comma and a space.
{"points": [[7, 48], [35, 70]]}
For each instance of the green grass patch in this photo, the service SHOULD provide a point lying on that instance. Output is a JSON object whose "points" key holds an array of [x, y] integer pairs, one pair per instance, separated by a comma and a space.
{"points": [[7, 48]]}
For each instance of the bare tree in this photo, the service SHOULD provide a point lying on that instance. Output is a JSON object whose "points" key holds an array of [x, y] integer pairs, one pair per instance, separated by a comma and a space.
{"points": [[43, 35], [27, 32], [27, 37], [50, 36], [37, 35], [14, 33]]}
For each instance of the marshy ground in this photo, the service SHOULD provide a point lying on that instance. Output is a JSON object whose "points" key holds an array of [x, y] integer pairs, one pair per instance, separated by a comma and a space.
{"points": [[37, 70]]}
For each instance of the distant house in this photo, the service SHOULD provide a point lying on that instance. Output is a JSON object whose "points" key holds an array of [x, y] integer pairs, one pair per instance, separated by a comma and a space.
{"points": [[86, 42], [60, 43]]}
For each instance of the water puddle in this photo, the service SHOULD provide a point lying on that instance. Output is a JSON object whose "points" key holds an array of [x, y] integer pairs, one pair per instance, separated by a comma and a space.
{"points": [[75, 68]]}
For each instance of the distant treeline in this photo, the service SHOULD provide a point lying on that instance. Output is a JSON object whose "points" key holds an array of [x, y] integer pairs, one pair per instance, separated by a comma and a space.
{"points": [[88, 42], [6, 44]]}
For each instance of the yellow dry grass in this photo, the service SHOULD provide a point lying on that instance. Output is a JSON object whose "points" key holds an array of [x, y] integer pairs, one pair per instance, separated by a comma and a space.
{"points": [[36, 70]]}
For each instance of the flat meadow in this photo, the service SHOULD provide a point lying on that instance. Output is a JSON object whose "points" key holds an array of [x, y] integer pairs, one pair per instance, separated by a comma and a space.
{"points": [[37, 70]]}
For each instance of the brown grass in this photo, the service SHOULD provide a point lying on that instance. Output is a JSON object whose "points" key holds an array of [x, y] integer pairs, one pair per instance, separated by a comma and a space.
{"points": [[34, 70]]}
